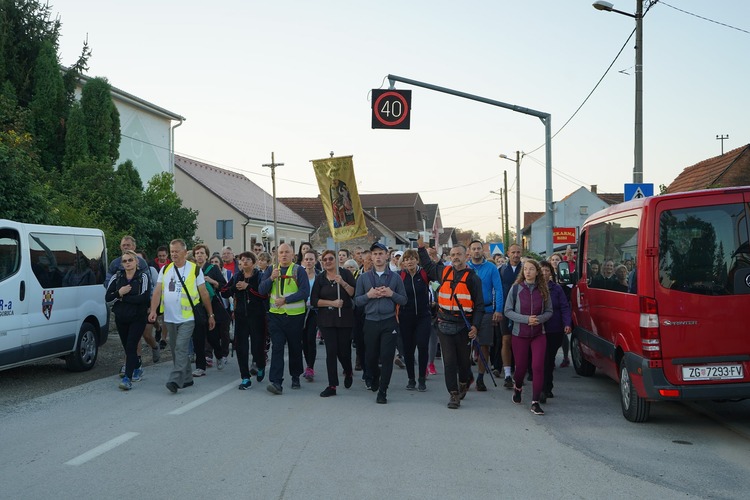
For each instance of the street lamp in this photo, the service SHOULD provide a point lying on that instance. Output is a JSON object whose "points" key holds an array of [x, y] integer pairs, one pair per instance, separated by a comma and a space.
{"points": [[518, 194], [638, 16]]}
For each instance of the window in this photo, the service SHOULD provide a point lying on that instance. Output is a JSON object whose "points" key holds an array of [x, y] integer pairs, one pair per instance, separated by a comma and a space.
{"points": [[611, 247], [10, 253], [253, 240], [704, 250], [63, 260], [583, 210]]}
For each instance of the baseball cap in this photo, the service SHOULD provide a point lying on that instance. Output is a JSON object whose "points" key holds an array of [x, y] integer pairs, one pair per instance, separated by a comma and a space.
{"points": [[398, 253], [378, 246]]}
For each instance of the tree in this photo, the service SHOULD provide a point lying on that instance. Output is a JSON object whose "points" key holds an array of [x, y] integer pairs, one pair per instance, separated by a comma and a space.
{"points": [[48, 108], [76, 145], [465, 237], [166, 218], [491, 236], [102, 120]]}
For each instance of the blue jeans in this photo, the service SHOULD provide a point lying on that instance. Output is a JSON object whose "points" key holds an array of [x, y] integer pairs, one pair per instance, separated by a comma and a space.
{"points": [[285, 329]]}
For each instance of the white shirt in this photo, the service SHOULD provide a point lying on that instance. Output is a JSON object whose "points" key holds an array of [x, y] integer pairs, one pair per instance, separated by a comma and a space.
{"points": [[172, 289]]}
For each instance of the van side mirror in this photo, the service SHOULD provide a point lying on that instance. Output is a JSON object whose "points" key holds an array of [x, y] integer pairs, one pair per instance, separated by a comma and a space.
{"points": [[563, 273]]}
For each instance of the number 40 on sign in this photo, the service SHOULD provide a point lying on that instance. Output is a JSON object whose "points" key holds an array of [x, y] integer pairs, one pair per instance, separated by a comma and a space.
{"points": [[391, 108]]}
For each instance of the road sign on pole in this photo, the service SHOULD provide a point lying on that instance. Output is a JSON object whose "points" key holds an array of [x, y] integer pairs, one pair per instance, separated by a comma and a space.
{"points": [[391, 108], [635, 191]]}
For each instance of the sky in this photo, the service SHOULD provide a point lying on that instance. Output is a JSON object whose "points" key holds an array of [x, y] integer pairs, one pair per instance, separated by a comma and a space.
{"points": [[294, 77]]}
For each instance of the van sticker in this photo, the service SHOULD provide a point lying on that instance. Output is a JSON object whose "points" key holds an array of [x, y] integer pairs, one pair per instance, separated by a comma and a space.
{"points": [[6, 307], [747, 280], [48, 299]]}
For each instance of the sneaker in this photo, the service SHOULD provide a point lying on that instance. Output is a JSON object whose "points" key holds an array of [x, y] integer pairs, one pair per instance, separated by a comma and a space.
{"points": [[517, 395], [261, 374], [496, 373], [295, 383], [220, 364], [156, 354], [122, 371], [172, 386], [309, 374], [209, 362], [462, 390], [431, 369], [368, 384], [421, 387], [375, 384], [348, 381], [536, 409], [455, 401], [412, 385], [508, 382], [328, 391], [245, 384], [253, 369], [543, 397], [162, 344], [480, 385], [381, 399], [188, 384], [398, 361], [274, 389], [471, 381], [125, 384], [550, 395], [137, 375], [565, 363], [199, 372]]}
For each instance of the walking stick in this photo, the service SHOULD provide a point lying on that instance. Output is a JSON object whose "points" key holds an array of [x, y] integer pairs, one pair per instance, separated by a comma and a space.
{"points": [[476, 345]]}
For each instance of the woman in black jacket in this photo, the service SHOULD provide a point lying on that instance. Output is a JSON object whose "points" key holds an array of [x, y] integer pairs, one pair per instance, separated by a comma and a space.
{"points": [[249, 318], [415, 318], [129, 289]]}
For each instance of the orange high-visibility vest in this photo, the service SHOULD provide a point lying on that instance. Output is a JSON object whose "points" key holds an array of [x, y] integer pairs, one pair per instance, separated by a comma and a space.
{"points": [[450, 296]]}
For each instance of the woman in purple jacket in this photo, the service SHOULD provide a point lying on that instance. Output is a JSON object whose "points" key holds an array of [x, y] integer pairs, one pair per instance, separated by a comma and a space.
{"points": [[556, 328], [529, 306]]}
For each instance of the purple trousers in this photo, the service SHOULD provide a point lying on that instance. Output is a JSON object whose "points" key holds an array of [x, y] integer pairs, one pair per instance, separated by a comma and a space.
{"points": [[536, 347]]}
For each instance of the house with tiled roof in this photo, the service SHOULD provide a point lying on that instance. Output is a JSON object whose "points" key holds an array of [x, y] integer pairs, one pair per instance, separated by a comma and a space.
{"points": [[729, 169], [311, 209], [402, 212], [231, 200], [569, 212], [433, 222]]}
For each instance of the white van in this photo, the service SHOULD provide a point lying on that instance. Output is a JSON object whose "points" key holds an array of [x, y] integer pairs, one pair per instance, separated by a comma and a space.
{"points": [[51, 294]]}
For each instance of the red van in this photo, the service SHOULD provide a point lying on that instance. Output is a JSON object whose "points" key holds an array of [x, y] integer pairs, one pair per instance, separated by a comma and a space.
{"points": [[662, 301]]}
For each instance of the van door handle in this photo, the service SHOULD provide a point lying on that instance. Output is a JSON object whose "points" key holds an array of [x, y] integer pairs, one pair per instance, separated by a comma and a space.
{"points": [[22, 291]]}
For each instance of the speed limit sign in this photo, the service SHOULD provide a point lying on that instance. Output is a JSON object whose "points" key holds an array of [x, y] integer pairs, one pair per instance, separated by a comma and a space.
{"points": [[391, 108]]}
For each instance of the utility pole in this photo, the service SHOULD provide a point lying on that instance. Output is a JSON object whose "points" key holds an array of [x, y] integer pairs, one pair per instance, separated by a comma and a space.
{"points": [[273, 166], [518, 199], [507, 227], [722, 138], [502, 216]]}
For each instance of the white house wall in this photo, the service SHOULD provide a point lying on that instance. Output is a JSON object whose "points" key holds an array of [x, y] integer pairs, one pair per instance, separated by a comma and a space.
{"points": [[145, 140]]}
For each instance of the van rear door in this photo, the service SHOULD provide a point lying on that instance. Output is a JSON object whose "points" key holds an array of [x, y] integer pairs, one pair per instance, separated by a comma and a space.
{"points": [[702, 287]]}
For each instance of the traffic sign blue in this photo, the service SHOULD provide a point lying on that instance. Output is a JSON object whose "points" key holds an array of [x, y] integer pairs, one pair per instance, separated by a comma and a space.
{"points": [[497, 247], [635, 191]]}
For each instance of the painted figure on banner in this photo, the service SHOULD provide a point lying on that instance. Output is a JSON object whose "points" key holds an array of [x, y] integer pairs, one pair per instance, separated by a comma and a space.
{"points": [[341, 201]]}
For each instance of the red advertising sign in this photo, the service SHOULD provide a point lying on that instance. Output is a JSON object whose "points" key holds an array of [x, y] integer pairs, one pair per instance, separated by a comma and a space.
{"points": [[563, 235]]}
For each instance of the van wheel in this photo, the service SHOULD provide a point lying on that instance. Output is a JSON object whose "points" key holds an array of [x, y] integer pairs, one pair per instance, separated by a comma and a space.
{"points": [[634, 407], [87, 349], [582, 367]]}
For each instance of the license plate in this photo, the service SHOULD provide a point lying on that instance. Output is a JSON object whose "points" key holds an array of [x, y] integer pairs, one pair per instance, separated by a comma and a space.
{"points": [[713, 372]]}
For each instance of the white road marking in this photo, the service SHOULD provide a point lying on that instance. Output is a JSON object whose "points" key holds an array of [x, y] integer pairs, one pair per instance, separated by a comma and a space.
{"points": [[101, 449], [204, 399]]}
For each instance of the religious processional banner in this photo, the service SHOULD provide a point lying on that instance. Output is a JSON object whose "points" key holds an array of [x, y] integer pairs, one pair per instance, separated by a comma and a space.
{"points": [[338, 192]]}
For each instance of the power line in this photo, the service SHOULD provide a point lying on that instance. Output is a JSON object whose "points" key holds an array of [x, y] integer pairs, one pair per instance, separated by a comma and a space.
{"points": [[705, 18]]}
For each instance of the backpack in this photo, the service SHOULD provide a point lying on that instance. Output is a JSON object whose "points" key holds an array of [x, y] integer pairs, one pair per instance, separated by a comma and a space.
{"points": [[209, 287], [422, 273]]}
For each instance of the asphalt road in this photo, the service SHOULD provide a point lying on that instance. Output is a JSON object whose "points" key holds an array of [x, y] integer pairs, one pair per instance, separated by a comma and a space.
{"points": [[94, 441]]}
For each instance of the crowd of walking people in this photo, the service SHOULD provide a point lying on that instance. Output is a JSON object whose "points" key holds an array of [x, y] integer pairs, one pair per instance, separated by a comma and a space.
{"points": [[371, 308]]}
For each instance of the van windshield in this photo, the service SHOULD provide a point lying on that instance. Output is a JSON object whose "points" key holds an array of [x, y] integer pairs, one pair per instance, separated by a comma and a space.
{"points": [[705, 250]]}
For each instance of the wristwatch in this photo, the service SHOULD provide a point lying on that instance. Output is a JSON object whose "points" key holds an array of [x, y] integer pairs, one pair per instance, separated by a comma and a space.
{"points": [[211, 315]]}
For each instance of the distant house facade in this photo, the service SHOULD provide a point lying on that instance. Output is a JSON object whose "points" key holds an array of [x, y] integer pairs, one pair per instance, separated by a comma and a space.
{"points": [[727, 170], [569, 212], [311, 209], [405, 213], [222, 195]]}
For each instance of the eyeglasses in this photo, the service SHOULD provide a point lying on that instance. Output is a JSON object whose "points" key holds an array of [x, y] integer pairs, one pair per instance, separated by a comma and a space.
{"points": [[328, 259], [128, 260]]}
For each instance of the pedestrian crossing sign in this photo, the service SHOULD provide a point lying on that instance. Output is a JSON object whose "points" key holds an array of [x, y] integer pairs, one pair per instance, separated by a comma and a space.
{"points": [[636, 191], [496, 248]]}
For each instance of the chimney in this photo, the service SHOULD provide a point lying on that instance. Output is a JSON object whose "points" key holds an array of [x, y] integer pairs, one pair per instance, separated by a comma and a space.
{"points": [[593, 188]]}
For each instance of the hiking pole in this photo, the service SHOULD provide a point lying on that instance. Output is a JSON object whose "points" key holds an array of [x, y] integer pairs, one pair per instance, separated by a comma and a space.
{"points": [[484, 361], [478, 347]]}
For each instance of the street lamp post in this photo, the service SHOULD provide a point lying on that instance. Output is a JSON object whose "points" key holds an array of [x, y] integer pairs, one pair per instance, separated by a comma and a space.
{"points": [[638, 147], [502, 219], [518, 195]]}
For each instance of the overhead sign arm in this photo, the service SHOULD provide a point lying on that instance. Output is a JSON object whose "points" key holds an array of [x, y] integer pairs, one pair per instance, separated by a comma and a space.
{"points": [[546, 119]]}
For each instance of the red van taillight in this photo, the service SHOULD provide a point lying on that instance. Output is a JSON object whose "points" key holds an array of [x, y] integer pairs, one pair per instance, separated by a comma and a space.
{"points": [[649, 323]]}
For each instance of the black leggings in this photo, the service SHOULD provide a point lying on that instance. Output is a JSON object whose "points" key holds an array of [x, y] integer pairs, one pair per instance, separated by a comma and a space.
{"points": [[415, 332], [130, 335], [309, 348], [338, 347], [201, 334], [249, 333]]}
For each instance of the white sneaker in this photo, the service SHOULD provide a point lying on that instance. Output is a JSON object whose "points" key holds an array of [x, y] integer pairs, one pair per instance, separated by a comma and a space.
{"points": [[220, 363], [199, 372]]}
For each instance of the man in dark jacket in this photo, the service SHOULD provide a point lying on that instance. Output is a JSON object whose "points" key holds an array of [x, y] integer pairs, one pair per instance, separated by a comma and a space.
{"points": [[460, 312], [508, 274]]}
